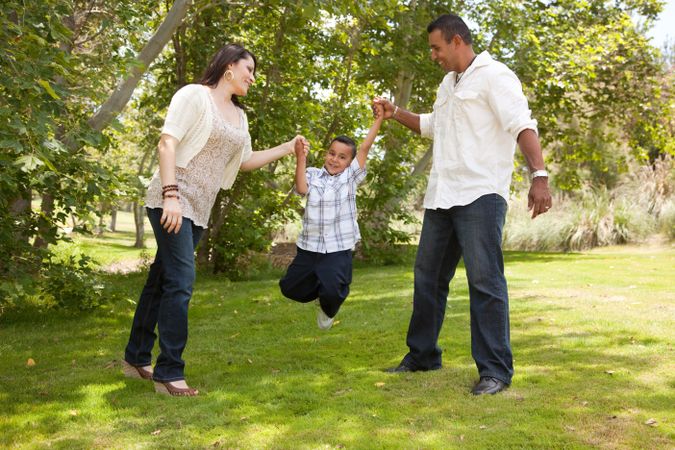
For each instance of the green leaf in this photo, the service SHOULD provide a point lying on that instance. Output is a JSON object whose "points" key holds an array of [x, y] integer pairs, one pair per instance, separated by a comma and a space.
{"points": [[48, 88], [29, 163]]}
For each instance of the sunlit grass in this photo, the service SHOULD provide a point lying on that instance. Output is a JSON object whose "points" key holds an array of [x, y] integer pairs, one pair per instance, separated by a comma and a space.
{"points": [[592, 335]]}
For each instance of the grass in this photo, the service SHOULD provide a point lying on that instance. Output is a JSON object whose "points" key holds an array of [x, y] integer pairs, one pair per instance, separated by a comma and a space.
{"points": [[592, 335]]}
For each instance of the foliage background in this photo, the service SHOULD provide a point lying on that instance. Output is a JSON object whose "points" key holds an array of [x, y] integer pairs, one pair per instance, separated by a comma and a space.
{"points": [[602, 96]]}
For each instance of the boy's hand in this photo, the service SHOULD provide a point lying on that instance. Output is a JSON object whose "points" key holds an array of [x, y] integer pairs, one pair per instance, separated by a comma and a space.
{"points": [[301, 147], [382, 106], [378, 112], [292, 145]]}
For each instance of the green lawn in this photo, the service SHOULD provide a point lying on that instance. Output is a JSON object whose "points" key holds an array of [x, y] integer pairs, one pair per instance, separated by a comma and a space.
{"points": [[592, 335]]}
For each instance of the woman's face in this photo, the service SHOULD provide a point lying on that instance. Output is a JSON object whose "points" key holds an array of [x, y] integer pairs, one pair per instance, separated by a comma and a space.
{"points": [[243, 75]]}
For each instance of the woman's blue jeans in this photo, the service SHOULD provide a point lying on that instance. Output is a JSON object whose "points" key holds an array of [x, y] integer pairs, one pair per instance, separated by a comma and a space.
{"points": [[474, 232], [164, 301]]}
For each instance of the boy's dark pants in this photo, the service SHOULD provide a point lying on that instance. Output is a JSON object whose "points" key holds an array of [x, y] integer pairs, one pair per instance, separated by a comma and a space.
{"points": [[323, 275]]}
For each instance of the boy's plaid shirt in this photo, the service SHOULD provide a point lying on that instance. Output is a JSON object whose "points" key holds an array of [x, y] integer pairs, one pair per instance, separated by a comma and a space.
{"points": [[329, 224]]}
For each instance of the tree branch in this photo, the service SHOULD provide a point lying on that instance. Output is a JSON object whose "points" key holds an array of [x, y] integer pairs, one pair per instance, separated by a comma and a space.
{"points": [[120, 97]]}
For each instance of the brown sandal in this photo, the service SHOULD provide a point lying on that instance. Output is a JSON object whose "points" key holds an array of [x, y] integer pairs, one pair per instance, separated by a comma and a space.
{"points": [[166, 388], [136, 371]]}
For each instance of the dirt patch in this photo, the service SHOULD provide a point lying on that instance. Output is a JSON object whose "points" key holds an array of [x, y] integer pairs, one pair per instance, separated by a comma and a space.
{"points": [[282, 254]]}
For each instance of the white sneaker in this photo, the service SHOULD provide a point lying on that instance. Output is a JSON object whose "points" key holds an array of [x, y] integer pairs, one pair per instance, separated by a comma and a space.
{"points": [[322, 320]]}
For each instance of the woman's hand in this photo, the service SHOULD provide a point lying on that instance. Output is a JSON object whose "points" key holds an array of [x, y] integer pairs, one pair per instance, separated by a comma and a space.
{"points": [[298, 144], [172, 215]]}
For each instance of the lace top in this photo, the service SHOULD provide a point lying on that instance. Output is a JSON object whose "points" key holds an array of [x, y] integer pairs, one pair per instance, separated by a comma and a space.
{"points": [[199, 182]]}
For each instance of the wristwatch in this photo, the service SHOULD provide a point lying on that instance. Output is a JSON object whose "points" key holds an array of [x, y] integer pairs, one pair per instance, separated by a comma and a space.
{"points": [[539, 173]]}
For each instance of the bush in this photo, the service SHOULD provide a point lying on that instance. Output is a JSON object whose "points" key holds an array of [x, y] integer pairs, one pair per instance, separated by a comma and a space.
{"points": [[641, 204], [67, 283], [667, 219]]}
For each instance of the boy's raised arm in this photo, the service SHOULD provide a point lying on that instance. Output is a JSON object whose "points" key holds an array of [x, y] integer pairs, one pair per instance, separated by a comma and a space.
{"points": [[364, 148], [301, 149]]}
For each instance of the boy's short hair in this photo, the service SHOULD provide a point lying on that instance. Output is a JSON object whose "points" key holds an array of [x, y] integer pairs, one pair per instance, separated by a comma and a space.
{"points": [[346, 140], [450, 25]]}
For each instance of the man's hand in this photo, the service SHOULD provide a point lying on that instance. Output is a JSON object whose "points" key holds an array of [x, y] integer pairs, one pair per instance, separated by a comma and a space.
{"points": [[539, 198], [383, 106]]}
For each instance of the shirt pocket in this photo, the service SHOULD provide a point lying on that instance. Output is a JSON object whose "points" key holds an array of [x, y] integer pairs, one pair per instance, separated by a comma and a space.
{"points": [[472, 116]]}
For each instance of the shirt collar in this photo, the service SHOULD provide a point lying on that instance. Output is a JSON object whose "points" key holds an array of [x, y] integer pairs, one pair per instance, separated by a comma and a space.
{"points": [[482, 59], [325, 173]]}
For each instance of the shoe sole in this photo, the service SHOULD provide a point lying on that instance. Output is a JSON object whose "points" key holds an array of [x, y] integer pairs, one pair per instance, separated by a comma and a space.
{"points": [[161, 388], [130, 371]]}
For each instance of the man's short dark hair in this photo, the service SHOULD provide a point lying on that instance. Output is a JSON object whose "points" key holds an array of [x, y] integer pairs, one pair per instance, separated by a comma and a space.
{"points": [[346, 140], [450, 25]]}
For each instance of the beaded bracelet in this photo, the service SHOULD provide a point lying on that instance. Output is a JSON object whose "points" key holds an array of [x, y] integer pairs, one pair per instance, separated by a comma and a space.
{"points": [[177, 197]]}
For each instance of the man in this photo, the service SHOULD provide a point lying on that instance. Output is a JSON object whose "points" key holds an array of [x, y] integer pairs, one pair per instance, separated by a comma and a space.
{"points": [[479, 115]]}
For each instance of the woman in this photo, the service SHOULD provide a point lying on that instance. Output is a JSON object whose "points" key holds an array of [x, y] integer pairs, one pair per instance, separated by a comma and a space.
{"points": [[204, 142]]}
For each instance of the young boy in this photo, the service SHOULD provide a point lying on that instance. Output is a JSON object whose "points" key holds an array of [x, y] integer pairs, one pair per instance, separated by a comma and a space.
{"points": [[323, 265]]}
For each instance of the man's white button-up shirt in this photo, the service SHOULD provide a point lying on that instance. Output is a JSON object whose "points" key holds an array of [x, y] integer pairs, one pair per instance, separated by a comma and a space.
{"points": [[475, 124]]}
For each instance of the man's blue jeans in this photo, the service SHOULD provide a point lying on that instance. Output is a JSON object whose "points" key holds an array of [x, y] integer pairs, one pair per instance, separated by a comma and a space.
{"points": [[474, 232], [164, 301]]}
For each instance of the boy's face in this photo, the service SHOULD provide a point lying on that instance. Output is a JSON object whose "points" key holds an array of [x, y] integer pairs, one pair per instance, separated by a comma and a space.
{"points": [[338, 157]]}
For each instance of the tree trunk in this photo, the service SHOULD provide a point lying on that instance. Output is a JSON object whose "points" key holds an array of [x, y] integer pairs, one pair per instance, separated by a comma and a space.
{"points": [[113, 219], [179, 52], [19, 207], [46, 207], [139, 222]]}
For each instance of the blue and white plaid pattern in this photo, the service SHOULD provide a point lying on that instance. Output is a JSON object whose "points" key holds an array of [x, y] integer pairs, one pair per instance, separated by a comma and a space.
{"points": [[329, 224]]}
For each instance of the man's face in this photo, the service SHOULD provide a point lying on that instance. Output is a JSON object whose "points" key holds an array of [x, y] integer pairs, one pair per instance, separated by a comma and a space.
{"points": [[338, 157], [443, 52]]}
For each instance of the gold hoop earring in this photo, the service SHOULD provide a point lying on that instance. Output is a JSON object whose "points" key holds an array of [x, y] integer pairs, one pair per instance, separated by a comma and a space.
{"points": [[228, 75]]}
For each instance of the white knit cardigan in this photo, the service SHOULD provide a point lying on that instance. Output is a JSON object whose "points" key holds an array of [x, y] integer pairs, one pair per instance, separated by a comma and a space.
{"points": [[189, 119]]}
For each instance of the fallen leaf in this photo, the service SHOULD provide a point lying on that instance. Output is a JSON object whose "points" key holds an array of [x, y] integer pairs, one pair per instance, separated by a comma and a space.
{"points": [[461, 437], [651, 422], [379, 384], [30, 362], [584, 403], [73, 412], [482, 427], [609, 372], [249, 361], [156, 432]]}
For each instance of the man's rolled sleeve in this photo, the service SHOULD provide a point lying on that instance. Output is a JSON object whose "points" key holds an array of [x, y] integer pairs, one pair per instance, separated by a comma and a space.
{"points": [[427, 125], [510, 104]]}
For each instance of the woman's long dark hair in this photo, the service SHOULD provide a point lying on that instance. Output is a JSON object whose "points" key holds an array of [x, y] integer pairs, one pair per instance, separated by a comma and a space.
{"points": [[228, 54]]}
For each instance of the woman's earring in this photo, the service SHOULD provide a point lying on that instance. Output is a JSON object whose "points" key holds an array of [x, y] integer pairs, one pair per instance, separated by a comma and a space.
{"points": [[229, 75]]}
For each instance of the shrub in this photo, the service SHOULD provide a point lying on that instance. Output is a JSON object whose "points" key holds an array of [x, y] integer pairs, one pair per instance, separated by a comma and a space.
{"points": [[67, 283], [667, 219]]}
